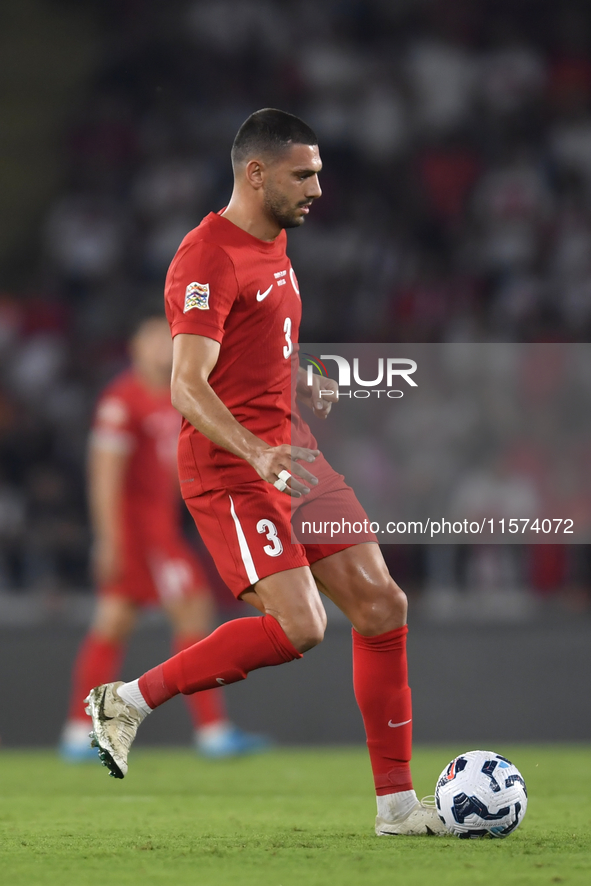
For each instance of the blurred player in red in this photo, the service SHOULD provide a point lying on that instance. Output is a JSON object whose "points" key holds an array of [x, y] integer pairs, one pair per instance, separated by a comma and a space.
{"points": [[140, 557], [246, 454]]}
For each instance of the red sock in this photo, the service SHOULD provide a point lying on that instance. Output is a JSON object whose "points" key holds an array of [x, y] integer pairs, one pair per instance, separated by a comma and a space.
{"points": [[205, 707], [226, 656], [380, 679], [98, 661]]}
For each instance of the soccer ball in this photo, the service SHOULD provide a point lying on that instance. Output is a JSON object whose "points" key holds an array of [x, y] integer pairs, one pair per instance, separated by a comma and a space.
{"points": [[481, 794]]}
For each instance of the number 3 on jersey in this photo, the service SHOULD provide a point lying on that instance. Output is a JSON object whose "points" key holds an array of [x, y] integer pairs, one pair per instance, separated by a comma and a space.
{"points": [[275, 548], [288, 346]]}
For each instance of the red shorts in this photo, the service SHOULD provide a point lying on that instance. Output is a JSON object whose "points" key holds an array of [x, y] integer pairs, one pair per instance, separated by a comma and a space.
{"points": [[158, 572], [248, 528]]}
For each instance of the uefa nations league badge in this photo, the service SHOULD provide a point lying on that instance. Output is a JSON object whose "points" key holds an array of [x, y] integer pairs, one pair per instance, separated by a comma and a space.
{"points": [[196, 296]]}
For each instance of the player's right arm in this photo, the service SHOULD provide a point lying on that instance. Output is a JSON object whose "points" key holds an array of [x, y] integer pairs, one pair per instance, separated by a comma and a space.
{"points": [[194, 357], [108, 457]]}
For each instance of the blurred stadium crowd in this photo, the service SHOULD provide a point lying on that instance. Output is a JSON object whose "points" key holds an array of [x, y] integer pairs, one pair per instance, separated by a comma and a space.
{"points": [[456, 141]]}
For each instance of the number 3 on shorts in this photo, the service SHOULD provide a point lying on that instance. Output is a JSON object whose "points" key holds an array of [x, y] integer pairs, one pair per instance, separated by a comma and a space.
{"points": [[275, 548]]}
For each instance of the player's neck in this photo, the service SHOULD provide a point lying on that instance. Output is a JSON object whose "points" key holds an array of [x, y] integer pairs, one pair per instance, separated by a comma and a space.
{"points": [[251, 219]]}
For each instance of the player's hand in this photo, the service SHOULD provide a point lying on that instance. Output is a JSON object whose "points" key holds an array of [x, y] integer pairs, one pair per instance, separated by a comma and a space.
{"points": [[106, 561], [269, 463], [320, 395]]}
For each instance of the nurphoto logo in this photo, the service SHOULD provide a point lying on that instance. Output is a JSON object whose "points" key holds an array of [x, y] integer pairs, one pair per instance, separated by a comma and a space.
{"points": [[390, 370]]}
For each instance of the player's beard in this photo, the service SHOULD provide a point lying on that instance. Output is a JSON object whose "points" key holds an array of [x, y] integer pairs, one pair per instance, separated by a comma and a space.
{"points": [[278, 208]]}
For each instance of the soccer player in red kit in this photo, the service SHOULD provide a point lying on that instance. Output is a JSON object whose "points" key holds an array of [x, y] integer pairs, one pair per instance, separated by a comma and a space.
{"points": [[140, 556], [233, 305]]}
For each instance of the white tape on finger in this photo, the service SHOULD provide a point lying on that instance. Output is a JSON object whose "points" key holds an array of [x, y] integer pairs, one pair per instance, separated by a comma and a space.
{"points": [[281, 483]]}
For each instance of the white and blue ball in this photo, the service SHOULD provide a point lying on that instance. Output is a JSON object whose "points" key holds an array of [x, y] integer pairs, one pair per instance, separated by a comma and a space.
{"points": [[481, 794]]}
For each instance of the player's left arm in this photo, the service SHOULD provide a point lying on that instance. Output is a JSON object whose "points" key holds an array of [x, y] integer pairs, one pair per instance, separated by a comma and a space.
{"points": [[320, 395]]}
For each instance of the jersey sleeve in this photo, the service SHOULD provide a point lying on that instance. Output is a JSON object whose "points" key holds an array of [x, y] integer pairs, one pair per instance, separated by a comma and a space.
{"points": [[113, 427], [201, 287]]}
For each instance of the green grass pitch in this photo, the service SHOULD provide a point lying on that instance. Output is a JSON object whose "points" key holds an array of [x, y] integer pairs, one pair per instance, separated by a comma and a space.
{"points": [[288, 818]]}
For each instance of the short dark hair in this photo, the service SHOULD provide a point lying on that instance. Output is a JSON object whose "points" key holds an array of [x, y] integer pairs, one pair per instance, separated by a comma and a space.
{"points": [[270, 132]]}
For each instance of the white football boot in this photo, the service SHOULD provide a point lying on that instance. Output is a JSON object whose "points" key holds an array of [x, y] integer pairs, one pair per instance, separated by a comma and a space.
{"points": [[114, 726], [421, 821]]}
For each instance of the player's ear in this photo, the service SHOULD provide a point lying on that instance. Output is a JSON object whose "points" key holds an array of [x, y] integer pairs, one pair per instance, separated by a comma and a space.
{"points": [[255, 173]]}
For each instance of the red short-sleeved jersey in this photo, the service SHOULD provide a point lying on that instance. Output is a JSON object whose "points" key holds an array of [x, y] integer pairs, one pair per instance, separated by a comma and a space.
{"points": [[227, 285], [132, 418]]}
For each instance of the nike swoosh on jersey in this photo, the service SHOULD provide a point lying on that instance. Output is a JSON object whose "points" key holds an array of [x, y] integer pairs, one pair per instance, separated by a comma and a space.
{"points": [[394, 725], [262, 295], [221, 681]]}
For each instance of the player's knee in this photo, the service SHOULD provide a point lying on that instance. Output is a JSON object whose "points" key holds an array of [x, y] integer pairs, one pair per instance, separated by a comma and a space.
{"points": [[382, 609], [112, 632], [307, 632], [306, 639], [114, 620]]}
